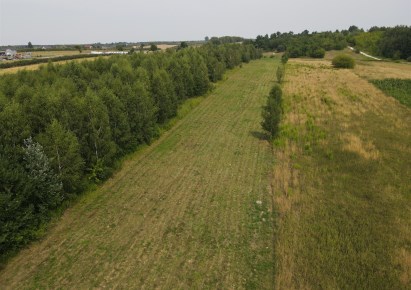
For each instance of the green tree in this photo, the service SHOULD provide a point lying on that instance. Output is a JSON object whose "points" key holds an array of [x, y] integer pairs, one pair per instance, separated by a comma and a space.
{"points": [[63, 149], [164, 95], [78, 47], [183, 45], [280, 73], [30, 45], [272, 112], [153, 47], [47, 191]]}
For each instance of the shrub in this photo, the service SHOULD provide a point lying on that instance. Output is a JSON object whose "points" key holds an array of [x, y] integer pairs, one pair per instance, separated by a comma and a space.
{"points": [[280, 73], [343, 61], [317, 53], [409, 59], [284, 58]]}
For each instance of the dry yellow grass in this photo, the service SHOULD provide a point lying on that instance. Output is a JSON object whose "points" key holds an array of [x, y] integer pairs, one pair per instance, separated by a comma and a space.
{"points": [[354, 144], [341, 142]]}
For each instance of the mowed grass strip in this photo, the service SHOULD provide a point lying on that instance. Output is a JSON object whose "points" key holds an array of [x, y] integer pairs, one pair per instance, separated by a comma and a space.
{"points": [[192, 211], [342, 183]]}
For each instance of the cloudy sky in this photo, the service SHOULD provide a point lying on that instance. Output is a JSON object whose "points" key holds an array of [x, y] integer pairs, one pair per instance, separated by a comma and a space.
{"points": [[89, 21]]}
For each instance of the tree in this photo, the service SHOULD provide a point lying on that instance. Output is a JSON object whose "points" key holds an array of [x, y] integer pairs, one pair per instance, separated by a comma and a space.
{"points": [[153, 47], [63, 149], [284, 58], [164, 95], [206, 38], [78, 47], [29, 45], [183, 45], [280, 73], [272, 111], [47, 188]]}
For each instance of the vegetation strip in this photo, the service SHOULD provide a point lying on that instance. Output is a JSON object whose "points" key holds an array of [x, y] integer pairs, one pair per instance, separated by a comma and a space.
{"points": [[397, 88], [341, 183]]}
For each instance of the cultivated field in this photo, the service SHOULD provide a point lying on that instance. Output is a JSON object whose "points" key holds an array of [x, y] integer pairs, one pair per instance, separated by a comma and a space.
{"points": [[191, 211], [341, 180]]}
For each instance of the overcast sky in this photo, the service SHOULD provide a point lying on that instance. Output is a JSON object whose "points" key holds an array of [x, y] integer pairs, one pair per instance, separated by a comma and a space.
{"points": [[89, 21]]}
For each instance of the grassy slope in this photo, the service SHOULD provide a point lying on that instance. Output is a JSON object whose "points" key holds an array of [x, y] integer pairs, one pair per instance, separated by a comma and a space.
{"points": [[341, 182], [182, 214]]}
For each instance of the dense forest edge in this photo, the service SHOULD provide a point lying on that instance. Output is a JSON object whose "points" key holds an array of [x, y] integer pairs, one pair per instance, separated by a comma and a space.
{"points": [[65, 127]]}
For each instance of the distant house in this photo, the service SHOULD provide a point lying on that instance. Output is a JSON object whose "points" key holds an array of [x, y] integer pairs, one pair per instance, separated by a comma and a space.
{"points": [[10, 54]]}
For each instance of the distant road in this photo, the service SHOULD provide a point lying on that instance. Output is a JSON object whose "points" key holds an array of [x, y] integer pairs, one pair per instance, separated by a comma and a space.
{"points": [[364, 54]]}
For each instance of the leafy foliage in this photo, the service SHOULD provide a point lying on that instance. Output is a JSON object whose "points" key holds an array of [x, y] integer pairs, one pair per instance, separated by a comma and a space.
{"points": [[280, 73], [343, 61], [397, 88], [272, 111]]}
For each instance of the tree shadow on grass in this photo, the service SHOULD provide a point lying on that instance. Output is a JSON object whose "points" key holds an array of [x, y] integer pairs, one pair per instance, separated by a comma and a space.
{"points": [[259, 135]]}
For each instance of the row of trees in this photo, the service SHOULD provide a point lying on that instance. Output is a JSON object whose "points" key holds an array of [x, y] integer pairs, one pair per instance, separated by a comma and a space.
{"points": [[303, 44], [388, 42], [65, 126]]}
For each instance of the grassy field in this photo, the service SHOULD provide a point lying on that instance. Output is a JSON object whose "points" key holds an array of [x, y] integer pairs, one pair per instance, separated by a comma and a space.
{"points": [[341, 181], [209, 206], [191, 211]]}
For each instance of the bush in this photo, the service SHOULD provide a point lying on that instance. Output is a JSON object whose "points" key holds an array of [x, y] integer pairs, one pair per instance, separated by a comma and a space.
{"points": [[409, 59], [343, 61], [280, 73], [284, 58], [317, 53]]}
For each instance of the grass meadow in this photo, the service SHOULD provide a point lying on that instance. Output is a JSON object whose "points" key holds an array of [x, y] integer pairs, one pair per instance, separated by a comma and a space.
{"points": [[211, 205], [341, 182]]}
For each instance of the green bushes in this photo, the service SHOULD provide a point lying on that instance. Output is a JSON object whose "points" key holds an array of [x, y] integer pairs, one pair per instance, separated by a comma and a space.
{"points": [[397, 88], [343, 61], [280, 73], [272, 112], [317, 53], [64, 127]]}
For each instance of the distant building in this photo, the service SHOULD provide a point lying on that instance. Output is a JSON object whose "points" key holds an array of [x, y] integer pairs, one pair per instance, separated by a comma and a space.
{"points": [[10, 54]]}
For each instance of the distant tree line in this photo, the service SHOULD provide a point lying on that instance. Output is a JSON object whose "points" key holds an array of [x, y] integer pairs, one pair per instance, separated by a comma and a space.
{"points": [[394, 42], [302, 44], [225, 39], [64, 127], [25, 62]]}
